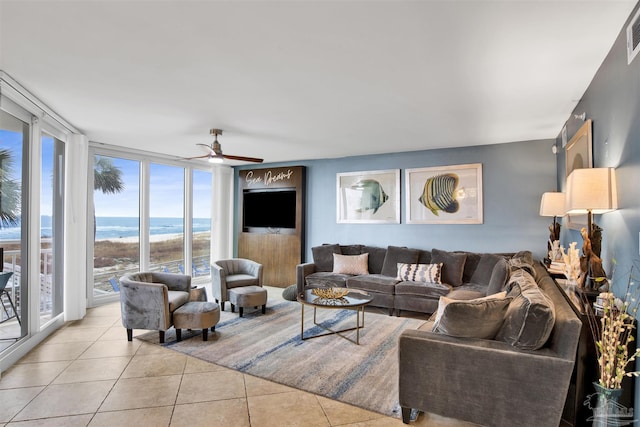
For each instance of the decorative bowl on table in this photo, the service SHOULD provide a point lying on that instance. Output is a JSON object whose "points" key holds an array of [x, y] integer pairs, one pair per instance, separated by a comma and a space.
{"points": [[330, 293]]}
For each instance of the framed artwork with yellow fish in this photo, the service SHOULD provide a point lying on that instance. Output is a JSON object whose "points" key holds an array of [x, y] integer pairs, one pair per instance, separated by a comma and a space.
{"points": [[370, 197], [444, 195]]}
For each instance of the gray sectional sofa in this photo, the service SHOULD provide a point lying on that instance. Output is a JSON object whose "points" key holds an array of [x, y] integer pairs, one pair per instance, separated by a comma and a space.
{"points": [[467, 274], [500, 346]]}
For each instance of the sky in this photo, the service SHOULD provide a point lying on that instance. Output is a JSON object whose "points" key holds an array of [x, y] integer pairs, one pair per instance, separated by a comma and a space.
{"points": [[166, 185]]}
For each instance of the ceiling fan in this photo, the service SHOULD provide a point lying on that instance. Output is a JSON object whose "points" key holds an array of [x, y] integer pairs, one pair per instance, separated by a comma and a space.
{"points": [[214, 151]]}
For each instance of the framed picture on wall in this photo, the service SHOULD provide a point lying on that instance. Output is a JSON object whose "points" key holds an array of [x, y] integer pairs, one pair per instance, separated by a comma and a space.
{"points": [[370, 197], [579, 155], [444, 195]]}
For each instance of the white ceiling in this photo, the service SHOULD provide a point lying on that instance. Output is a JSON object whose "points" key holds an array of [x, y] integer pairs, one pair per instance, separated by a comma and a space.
{"points": [[301, 80]]}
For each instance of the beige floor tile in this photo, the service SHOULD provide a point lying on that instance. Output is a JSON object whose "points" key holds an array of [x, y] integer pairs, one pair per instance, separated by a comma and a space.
{"points": [[14, 400], [75, 334], [340, 413], [66, 399], [208, 386], [227, 413], [110, 349], [114, 333], [155, 417], [146, 348], [55, 352], [195, 365], [296, 408], [257, 386], [385, 422], [95, 322], [134, 393], [112, 309], [72, 421], [32, 374], [108, 368], [153, 365]]}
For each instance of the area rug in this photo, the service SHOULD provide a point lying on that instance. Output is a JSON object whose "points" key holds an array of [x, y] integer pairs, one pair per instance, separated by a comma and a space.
{"points": [[269, 346]]}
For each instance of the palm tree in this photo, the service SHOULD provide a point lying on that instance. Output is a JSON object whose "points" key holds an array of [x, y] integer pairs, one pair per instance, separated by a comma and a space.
{"points": [[10, 192], [107, 179]]}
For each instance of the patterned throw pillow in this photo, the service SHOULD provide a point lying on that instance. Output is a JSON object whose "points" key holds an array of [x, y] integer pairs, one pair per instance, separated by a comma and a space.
{"points": [[351, 264], [427, 273]]}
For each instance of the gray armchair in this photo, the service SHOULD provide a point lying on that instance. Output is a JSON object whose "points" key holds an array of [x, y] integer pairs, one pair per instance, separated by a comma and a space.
{"points": [[233, 273], [148, 300]]}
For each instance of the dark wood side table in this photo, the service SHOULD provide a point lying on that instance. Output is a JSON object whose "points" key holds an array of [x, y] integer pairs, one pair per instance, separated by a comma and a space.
{"points": [[585, 371]]}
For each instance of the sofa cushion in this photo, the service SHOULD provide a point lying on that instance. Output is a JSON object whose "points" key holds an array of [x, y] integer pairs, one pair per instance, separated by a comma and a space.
{"points": [[477, 318], [176, 299], [434, 290], [424, 257], [452, 265], [351, 264], [531, 314], [374, 283], [499, 277], [326, 279], [396, 254], [426, 273], [376, 258], [323, 256], [484, 269], [351, 249], [523, 260], [465, 293]]}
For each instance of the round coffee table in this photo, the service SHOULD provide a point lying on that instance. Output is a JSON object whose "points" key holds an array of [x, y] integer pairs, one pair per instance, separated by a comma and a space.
{"points": [[354, 300]]}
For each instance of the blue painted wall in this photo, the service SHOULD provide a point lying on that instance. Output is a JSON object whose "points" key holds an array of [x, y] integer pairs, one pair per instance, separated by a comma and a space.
{"points": [[612, 101], [514, 177]]}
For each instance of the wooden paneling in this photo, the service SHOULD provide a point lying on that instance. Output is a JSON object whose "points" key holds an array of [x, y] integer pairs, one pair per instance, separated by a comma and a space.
{"points": [[278, 252]]}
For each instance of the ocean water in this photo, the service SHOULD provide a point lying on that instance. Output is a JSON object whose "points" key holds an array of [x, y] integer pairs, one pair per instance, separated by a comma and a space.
{"points": [[115, 227]]}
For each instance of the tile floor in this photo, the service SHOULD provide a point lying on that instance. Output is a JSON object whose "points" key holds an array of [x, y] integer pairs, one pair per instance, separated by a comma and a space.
{"points": [[88, 374]]}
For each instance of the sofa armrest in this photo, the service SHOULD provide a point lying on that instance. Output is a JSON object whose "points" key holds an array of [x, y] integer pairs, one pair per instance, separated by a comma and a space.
{"points": [[483, 381], [302, 271], [218, 282]]}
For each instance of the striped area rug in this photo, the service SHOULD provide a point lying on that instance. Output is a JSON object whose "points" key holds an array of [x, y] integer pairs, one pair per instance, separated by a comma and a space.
{"points": [[269, 346]]}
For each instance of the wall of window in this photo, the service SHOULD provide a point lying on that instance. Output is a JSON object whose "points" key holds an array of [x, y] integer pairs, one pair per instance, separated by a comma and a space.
{"points": [[142, 205], [32, 196]]}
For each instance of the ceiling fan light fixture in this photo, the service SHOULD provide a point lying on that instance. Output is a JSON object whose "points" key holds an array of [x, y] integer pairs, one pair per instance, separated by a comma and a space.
{"points": [[216, 159]]}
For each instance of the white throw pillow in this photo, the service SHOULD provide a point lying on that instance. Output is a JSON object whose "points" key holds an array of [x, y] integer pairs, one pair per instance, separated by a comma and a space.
{"points": [[351, 264]]}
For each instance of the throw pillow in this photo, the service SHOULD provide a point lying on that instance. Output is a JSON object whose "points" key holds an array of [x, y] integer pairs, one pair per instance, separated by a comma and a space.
{"points": [[523, 260], [482, 273], [323, 256], [499, 276], [452, 265], [531, 314], [476, 318], [426, 273], [351, 264], [395, 255]]}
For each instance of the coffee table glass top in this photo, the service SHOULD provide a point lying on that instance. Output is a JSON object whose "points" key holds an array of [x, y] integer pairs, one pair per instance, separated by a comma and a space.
{"points": [[354, 298]]}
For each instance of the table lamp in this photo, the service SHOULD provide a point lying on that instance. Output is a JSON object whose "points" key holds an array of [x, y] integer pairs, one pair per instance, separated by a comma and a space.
{"points": [[552, 204], [591, 191]]}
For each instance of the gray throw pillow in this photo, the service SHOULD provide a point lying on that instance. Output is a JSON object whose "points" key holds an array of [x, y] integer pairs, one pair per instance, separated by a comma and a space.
{"points": [[323, 256], [476, 318], [395, 255], [531, 314], [523, 260], [452, 265], [484, 269], [499, 277]]}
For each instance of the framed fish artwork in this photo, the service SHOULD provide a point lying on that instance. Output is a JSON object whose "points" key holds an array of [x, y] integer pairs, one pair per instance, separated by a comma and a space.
{"points": [[444, 195], [370, 197]]}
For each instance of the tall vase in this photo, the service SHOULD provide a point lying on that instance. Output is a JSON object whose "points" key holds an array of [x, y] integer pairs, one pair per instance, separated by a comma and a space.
{"points": [[607, 411]]}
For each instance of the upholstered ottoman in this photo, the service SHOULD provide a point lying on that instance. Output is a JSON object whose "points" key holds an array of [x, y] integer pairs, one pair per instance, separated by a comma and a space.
{"points": [[196, 315], [248, 296]]}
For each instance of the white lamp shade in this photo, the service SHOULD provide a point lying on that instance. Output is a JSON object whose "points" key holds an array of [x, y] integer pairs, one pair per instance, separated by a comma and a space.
{"points": [[552, 204], [592, 190]]}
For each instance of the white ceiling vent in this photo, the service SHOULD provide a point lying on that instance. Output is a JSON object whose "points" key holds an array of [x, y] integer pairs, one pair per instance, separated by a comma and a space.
{"points": [[633, 37]]}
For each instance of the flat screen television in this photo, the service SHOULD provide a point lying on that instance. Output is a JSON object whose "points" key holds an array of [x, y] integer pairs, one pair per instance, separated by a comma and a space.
{"points": [[270, 209]]}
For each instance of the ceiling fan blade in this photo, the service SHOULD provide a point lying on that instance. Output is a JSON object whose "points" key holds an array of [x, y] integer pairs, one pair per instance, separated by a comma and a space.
{"points": [[197, 157], [242, 158], [206, 148]]}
